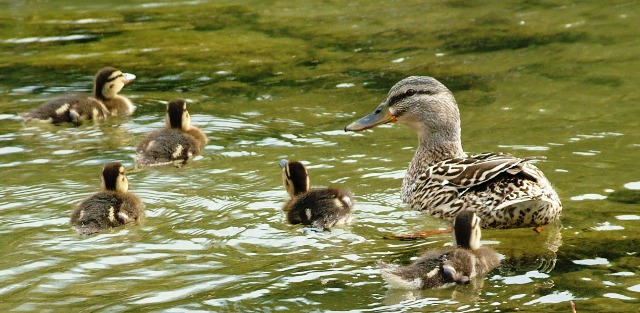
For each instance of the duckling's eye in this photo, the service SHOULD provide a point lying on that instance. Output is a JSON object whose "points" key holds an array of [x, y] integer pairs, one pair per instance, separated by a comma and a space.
{"points": [[410, 92]]}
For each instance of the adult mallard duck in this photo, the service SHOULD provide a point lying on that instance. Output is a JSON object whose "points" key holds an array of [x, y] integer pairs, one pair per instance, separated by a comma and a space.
{"points": [[505, 191], [320, 208], [178, 142], [77, 107], [442, 267], [111, 207]]}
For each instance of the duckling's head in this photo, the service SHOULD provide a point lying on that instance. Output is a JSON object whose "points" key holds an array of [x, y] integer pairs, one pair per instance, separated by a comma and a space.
{"points": [[466, 230], [421, 102], [295, 177], [113, 178], [177, 115], [109, 81]]}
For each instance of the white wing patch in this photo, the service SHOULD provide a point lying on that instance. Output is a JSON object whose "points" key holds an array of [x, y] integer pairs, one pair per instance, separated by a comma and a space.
{"points": [[112, 216], [62, 109], [177, 152]]}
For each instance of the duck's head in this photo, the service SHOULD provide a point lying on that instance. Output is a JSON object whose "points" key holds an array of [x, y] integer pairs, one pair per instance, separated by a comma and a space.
{"points": [[466, 230], [109, 81], [295, 177], [177, 115], [113, 178], [421, 102]]}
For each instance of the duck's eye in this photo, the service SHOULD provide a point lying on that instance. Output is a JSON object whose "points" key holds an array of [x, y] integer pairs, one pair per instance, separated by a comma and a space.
{"points": [[410, 92]]}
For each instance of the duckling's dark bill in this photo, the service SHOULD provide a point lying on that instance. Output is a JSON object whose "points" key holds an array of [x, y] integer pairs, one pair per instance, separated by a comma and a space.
{"points": [[380, 115]]}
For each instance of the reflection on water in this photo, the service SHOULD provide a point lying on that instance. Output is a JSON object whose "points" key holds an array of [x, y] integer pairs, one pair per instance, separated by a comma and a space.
{"points": [[268, 80]]}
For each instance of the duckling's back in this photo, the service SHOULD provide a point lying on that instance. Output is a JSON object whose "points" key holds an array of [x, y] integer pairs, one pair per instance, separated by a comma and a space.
{"points": [[321, 208], [68, 108], [424, 273], [165, 146], [440, 268], [104, 210]]}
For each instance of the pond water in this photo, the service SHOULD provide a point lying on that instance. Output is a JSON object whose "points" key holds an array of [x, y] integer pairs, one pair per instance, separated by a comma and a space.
{"points": [[268, 80]]}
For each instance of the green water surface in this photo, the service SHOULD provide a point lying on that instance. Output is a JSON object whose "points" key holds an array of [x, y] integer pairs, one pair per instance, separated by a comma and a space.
{"points": [[268, 80]]}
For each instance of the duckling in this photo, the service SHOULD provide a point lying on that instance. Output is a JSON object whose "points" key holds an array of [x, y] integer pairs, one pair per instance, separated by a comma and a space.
{"points": [[448, 266], [77, 107], [111, 207], [178, 142], [442, 180], [320, 208]]}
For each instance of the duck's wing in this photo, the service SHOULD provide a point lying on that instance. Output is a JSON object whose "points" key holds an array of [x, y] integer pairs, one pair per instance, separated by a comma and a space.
{"points": [[480, 168], [440, 186]]}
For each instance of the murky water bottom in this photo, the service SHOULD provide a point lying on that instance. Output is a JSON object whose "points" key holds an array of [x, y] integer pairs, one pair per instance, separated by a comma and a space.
{"points": [[268, 81]]}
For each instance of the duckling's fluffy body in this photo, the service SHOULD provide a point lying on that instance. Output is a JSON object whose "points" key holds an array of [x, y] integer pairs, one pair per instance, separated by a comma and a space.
{"points": [[440, 268], [111, 207], [446, 266], [164, 146], [71, 108], [178, 142], [318, 207], [106, 209], [75, 108]]}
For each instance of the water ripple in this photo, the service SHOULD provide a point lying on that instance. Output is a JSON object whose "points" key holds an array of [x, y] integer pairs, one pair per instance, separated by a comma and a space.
{"points": [[214, 281]]}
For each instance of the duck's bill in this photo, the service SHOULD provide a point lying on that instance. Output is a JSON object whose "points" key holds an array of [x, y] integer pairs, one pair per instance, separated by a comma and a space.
{"points": [[380, 115], [128, 78]]}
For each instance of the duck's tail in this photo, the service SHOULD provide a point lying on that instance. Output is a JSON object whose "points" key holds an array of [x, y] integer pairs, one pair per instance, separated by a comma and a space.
{"points": [[397, 278]]}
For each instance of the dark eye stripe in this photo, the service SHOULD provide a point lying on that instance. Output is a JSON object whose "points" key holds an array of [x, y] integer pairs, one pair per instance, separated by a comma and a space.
{"points": [[114, 78], [408, 93]]}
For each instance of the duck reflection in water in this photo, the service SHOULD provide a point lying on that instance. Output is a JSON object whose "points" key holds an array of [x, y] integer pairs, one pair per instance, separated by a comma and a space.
{"points": [[538, 255]]}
